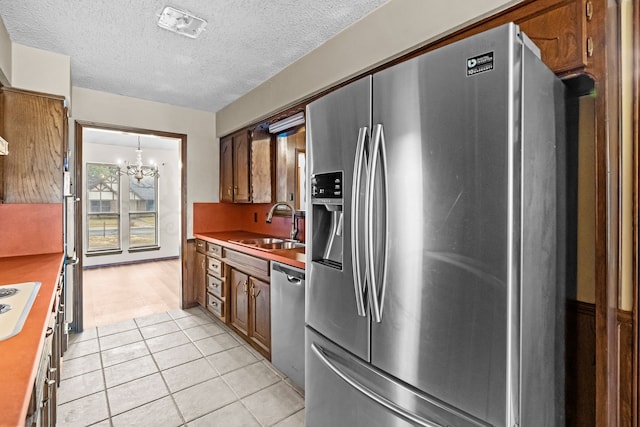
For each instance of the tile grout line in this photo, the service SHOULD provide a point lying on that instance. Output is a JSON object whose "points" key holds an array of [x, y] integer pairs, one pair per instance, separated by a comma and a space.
{"points": [[221, 376], [261, 360], [175, 404], [104, 378], [208, 321]]}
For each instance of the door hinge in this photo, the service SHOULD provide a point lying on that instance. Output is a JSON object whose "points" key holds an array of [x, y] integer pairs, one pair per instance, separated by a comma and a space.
{"points": [[589, 10], [589, 46]]}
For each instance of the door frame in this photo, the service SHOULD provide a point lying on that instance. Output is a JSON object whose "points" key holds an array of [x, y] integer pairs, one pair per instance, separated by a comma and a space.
{"points": [[79, 126]]}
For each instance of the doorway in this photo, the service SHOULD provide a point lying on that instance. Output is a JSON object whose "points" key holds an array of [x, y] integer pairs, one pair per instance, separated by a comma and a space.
{"points": [[128, 227]]}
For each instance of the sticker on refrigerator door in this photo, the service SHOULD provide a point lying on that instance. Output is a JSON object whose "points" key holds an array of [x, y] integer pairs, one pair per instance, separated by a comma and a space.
{"points": [[480, 64]]}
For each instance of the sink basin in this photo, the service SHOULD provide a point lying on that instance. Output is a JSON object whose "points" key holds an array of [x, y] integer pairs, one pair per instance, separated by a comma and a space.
{"points": [[269, 243], [260, 241]]}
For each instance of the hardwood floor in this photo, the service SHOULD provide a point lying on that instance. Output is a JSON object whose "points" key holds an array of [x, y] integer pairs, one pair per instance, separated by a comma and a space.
{"points": [[114, 294]]}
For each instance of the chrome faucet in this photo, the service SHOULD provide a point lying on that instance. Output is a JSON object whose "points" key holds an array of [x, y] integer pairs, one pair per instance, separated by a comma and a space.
{"points": [[294, 230]]}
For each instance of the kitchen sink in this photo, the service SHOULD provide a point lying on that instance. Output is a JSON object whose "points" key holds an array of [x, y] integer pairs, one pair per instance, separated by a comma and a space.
{"points": [[259, 241], [269, 243]]}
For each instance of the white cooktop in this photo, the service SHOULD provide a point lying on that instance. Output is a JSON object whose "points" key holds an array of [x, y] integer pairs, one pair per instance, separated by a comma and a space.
{"points": [[11, 321]]}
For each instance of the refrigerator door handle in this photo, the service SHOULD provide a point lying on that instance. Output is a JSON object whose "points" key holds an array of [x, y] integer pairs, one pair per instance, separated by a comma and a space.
{"points": [[379, 154], [358, 167], [393, 407]]}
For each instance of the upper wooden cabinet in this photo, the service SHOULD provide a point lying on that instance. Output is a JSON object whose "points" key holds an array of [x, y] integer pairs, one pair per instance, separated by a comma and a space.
{"points": [[35, 125], [261, 166], [290, 167], [246, 171], [560, 31], [226, 169], [241, 167]]}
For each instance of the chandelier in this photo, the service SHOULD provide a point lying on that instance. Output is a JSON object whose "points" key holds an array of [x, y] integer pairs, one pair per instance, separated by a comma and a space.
{"points": [[137, 170]]}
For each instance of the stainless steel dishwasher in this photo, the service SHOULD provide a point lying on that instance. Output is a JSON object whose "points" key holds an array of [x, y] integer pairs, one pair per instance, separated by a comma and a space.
{"points": [[287, 321]]}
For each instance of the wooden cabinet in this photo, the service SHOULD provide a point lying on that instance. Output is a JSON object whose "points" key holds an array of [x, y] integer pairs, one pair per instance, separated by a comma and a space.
{"points": [[200, 272], [42, 410], [35, 125], [251, 310], [290, 154], [239, 317], [234, 286], [246, 168], [235, 158], [241, 167], [260, 314], [209, 278], [226, 169], [250, 299], [563, 40], [262, 166]]}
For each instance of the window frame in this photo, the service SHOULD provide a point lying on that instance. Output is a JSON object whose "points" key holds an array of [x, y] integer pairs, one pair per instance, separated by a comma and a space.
{"points": [[137, 213], [100, 213]]}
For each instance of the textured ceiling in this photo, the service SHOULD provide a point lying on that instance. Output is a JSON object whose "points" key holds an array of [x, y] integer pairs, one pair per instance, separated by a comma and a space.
{"points": [[116, 46]]}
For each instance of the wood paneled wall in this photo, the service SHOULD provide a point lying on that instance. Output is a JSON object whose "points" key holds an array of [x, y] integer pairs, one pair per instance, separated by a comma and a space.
{"points": [[580, 379], [624, 335]]}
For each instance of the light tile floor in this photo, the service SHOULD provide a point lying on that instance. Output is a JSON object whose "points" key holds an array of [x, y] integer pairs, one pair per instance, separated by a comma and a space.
{"points": [[176, 368]]}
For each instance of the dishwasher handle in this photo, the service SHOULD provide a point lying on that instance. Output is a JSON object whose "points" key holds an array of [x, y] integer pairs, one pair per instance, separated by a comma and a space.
{"points": [[293, 275]]}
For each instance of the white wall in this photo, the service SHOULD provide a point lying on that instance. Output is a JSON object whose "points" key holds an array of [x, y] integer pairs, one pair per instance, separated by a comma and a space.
{"points": [[395, 28], [199, 126], [5, 55], [41, 71], [25, 67], [168, 198]]}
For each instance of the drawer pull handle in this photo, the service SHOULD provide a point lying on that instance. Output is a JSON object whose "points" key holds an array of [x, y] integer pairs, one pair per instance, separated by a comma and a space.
{"points": [[49, 332]]}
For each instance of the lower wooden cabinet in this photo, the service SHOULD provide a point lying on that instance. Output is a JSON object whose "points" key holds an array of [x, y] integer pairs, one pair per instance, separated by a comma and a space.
{"points": [[234, 287], [239, 314], [42, 411], [200, 277], [209, 278], [250, 313], [260, 314]]}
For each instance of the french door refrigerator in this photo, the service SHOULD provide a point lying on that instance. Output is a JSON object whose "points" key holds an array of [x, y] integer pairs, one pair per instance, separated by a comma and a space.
{"points": [[432, 279]]}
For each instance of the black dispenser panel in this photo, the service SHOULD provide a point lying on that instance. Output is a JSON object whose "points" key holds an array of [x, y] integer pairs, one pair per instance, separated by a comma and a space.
{"points": [[326, 186]]}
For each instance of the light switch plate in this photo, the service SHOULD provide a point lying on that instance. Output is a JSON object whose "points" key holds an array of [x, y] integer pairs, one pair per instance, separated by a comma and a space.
{"points": [[4, 147]]}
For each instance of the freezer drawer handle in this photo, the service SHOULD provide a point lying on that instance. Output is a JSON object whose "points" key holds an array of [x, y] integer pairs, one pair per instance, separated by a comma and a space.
{"points": [[369, 393], [377, 291], [358, 167]]}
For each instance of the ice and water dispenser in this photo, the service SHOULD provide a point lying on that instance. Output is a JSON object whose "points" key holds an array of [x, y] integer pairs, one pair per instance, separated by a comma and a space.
{"points": [[327, 205]]}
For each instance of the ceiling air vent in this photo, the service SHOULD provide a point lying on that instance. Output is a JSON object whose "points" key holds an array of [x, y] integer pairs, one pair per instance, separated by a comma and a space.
{"points": [[181, 22]]}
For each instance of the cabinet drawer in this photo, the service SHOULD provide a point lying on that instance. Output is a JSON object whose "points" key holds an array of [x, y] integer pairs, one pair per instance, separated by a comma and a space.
{"points": [[250, 263], [201, 246], [215, 305], [214, 250], [215, 286], [215, 266]]}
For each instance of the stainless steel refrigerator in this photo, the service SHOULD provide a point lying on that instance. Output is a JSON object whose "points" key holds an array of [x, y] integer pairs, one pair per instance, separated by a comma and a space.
{"points": [[433, 293]]}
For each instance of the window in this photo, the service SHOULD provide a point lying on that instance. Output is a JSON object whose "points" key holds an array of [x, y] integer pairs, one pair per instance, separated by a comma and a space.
{"points": [[103, 207], [143, 212]]}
